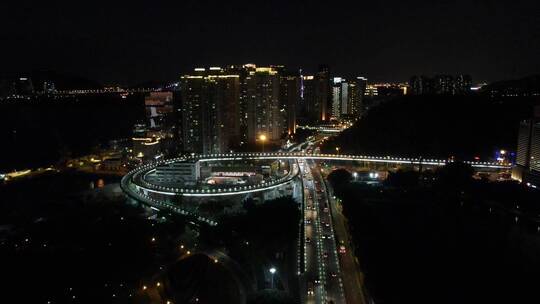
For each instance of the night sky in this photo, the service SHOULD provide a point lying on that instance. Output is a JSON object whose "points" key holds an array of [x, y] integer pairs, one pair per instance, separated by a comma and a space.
{"points": [[383, 40]]}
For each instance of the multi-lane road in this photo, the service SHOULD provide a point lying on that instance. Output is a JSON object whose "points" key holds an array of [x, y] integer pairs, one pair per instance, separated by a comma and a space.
{"points": [[313, 291], [323, 279], [350, 270], [331, 273]]}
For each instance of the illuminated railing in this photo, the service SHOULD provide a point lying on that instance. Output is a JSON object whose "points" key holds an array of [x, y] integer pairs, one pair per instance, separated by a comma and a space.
{"points": [[342, 157], [135, 175], [131, 190], [135, 185], [106, 91]]}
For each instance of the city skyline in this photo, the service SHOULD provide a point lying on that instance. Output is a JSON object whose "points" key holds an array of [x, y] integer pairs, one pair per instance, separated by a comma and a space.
{"points": [[270, 152]]}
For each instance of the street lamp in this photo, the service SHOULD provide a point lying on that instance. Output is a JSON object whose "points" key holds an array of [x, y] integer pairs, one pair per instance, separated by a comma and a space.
{"points": [[337, 150], [272, 271], [262, 138]]}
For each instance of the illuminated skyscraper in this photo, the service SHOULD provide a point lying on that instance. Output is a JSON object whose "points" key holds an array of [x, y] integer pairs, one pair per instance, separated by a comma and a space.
{"points": [[243, 72], [210, 111], [524, 143], [306, 111], [345, 109], [535, 148], [440, 85], [528, 151], [357, 90], [323, 94], [340, 98], [290, 96], [263, 105]]}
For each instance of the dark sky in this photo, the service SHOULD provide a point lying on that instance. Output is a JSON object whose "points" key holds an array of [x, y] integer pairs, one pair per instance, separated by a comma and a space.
{"points": [[383, 40]]}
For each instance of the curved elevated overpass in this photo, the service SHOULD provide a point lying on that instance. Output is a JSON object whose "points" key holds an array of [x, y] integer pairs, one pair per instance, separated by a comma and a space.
{"points": [[135, 185], [137, 176], [341, 157]]}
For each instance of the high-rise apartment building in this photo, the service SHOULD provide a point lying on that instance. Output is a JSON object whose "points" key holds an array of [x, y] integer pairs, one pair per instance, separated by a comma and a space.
{"points": [[340, 98], [345, 107], [210, 110], [263, 105], [223, 109], [535, 148], [307, 112], [357, 90], [290, 96], [527, 167], [440, 85], [323, 94], [347, 97], [524, 143], [306, 99], [243, 71]]}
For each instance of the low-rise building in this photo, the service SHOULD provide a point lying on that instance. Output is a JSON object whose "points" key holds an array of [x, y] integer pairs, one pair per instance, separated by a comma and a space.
{"points": [[184, 173]]}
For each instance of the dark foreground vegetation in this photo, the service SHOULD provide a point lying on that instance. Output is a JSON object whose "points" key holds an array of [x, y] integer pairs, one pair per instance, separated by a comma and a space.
{"points": [[441, 237], [263, 237], [436, 126], [61, 242]]}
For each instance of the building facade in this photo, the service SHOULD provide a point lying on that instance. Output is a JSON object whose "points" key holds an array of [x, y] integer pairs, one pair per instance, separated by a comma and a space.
{"points": [[306, 110], [290, 96], [263, 105], [323, 94], [357, 90], [210, 111], [340, 98], [440, 85], [177, 173], [527, 167]]}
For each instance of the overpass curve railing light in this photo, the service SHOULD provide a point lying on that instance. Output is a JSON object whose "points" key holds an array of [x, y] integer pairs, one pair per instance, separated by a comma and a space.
{"points": [[127, 187], [137, 175], [323, 156]]}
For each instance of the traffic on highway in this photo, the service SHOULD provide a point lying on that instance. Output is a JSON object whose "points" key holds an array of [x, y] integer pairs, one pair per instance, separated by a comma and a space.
{"points": [[322, 277]]}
